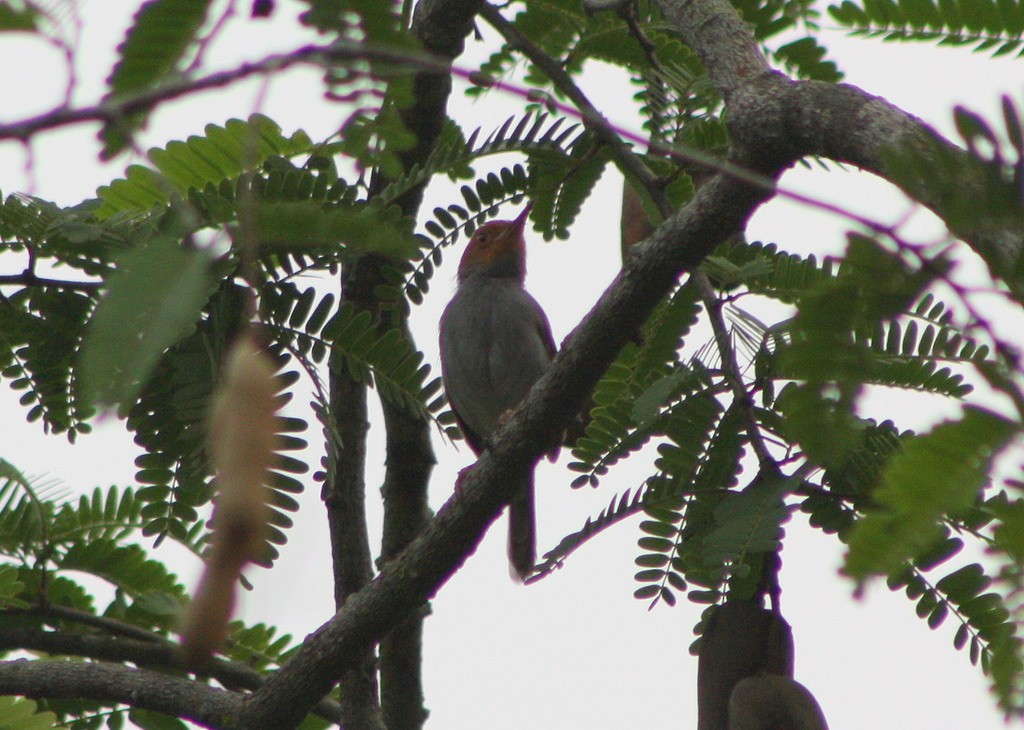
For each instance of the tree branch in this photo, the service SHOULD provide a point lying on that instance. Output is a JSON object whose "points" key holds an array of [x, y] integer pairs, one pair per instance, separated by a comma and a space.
{"points": [[28, 278], [724, 42], [441, 27], [117, 108], [351, 559], [64, 613], [719, 208], [630, 164], [773, 119], [731, 372], [105, 682], [160, 654]]}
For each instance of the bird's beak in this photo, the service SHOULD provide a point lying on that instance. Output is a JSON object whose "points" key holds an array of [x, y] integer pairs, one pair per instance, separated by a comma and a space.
{"points": [[520, 221]]}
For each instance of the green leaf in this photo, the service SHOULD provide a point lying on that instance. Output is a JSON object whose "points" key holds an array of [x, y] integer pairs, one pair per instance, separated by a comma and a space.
{"points": [[149, 720], [162, 32], [152, 301], [222, 153], [825, 427], [806, 57], [936, 474], [19, 16], [21, 713], [357, 229], [747, 522]]}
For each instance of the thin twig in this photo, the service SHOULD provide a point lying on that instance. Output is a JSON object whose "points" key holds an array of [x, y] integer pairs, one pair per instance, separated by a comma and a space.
{"points": [[29, 279], [64, 613], [592, 118], [731, 371], [206, 40], [120, 107]]}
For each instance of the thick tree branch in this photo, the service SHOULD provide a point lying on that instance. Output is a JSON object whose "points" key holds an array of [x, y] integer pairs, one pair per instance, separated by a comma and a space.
{"points": [[161, 655], [208, 706], [773, 119], [724, 42], [720, 208]]}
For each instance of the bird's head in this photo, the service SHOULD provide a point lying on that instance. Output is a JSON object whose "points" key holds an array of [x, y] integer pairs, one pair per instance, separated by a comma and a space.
{"points": [[497, 249]]}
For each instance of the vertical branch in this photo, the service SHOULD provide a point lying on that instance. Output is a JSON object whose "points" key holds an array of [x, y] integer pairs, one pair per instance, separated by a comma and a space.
{"points": [[441, 26], [733, 374], [410, 461], [345, 500]]}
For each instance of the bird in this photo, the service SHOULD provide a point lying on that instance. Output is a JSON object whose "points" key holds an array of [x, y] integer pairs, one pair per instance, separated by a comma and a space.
{"points": [[495, 342]]}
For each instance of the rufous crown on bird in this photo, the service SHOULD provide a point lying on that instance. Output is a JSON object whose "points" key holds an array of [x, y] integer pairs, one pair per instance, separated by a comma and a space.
{"points": [[497, 249]]}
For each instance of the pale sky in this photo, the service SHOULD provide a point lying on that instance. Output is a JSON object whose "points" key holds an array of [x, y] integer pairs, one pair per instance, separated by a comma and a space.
{"points": [[576, 650]]}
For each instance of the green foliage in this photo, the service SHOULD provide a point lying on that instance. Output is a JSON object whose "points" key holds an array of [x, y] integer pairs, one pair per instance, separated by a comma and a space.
{"points": [[806, 58], [43, 533], [563, 167], [40, 332], [985, 194], [152, 301], [148, 720], [162, 32], [310, 327], [764, 269], [18, 16], [374, 134], [20, 713], [167, 263], [935, 474], [169, 421], [870, 322], [986, 624], [614, 432], [222, 153], [48, 544], [987, 26], [377, 21]]}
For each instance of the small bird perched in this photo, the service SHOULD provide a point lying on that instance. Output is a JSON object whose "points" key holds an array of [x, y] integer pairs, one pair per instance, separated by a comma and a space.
{"points": [[495, 343]]}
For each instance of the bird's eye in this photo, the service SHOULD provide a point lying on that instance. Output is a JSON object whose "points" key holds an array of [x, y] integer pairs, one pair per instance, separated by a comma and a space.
{"points": [[481, 236]]}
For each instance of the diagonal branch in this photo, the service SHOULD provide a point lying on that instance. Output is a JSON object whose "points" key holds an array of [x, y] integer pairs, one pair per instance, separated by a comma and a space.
{"points": [[631, 165], [118, 108], [29, 278], [773, 119], [732, 375], [769, 123], [719, 208]]}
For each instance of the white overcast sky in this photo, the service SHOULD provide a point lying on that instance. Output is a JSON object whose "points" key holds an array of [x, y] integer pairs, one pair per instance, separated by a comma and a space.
{"points": [[576, 650]]}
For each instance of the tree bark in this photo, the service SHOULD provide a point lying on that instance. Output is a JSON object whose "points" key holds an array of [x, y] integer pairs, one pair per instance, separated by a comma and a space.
{"points": [[143, 688], [441, 27]]}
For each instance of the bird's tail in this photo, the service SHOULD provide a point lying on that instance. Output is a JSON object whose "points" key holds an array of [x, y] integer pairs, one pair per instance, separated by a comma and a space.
{"points": [[522, 532]]}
